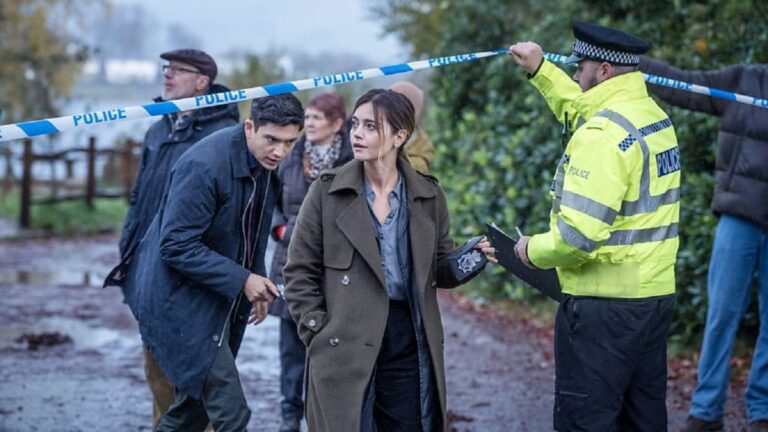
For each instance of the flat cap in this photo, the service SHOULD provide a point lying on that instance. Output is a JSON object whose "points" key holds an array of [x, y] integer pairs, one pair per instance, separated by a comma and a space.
{"points": [[595, 42], [199, 59]]}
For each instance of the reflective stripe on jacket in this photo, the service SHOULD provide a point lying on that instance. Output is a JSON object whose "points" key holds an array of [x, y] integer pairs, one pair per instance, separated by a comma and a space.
{"points": [[615, 213]]}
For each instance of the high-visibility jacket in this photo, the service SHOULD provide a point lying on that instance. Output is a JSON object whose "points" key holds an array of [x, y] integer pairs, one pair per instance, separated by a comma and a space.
{"points": [[615, 213]]}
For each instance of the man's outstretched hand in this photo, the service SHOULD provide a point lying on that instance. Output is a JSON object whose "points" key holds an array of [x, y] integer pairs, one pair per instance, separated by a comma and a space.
{"points": [[528, 55]]}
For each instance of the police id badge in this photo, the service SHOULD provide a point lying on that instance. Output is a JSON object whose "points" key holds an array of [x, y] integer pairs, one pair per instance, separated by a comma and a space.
{"points": [[466, 261]]}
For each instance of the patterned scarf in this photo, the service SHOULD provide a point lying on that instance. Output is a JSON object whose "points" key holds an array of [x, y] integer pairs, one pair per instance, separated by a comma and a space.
{"points": [[316, 160]]}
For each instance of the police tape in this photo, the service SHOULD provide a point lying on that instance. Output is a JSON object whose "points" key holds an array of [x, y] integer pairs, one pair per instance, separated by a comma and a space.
{"points": [[58, 124], [684, 86], [53, 125]]}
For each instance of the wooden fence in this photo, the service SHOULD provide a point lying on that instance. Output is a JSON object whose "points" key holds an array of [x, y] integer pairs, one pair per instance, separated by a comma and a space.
{"points": [[125, 154]]}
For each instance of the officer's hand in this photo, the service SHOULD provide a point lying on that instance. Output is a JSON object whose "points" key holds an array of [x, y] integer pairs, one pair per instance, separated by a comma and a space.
{"points": [[258, 312], [521, 251], [485, 247], [528, 55], [258, 288]]}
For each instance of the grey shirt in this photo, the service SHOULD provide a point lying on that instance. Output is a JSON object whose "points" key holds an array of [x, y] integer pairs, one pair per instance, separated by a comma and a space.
{"points": [[392, 237]]}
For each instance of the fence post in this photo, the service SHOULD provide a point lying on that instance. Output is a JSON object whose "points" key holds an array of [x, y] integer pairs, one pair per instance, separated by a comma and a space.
{"points": [[70, 168], [90, 182], [9, 180], [8, 155], [26, 184], [127, 170]]}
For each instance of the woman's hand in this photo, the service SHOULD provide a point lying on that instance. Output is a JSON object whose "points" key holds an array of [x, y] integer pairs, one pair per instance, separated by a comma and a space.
{"points": [[485, 247]]}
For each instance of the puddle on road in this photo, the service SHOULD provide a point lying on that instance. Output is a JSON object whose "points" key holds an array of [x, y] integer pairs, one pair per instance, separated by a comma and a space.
{"points": [[83, 336], [71, 278]]}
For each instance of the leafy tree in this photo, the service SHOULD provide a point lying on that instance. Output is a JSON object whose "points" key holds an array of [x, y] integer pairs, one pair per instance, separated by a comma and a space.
{"points": [[497, 142], [41, 54]]}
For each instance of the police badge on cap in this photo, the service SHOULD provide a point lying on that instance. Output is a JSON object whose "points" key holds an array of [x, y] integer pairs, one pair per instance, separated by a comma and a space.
{"points": [[594, 42]]}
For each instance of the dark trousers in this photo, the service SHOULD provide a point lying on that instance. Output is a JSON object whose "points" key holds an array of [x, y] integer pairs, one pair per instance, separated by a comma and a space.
{"points": [[611, 364], [393, 401], [223, 403], [292, 357]]}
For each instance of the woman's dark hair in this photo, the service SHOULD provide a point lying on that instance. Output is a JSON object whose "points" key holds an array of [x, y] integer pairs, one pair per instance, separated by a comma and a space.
{"points": [[280, 110], [331, 105], [390, 107]]}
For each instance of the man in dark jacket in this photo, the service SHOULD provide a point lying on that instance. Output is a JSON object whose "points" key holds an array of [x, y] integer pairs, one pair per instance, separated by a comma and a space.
{"points": [[203, 253], [741, 239], [188, 73]]}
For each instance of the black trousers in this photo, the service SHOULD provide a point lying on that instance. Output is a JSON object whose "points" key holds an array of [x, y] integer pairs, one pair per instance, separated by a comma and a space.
{"points": [[393, 401], [611, 364], [223, 403]]}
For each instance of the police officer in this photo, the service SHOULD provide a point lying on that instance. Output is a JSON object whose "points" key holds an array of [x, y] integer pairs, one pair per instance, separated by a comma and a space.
{"points": [[613, 233]]}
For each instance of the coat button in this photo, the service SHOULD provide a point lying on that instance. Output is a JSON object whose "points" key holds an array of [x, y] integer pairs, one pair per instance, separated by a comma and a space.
{"points": [[345, 280], [215, 338], [333, 341], [312, 323], [434, 284]]}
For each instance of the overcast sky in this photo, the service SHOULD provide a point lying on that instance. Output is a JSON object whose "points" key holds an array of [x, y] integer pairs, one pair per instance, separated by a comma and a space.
{"points": [[260, 25]]}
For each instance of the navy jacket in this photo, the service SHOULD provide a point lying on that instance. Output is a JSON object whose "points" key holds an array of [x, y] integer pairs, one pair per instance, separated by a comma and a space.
{"points": [[164, 143], [741, 165], [191, 275]]}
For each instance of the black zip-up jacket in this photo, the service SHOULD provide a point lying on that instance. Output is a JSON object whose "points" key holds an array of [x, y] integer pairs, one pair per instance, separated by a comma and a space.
{"points": [[741, 166], [164, 143]]}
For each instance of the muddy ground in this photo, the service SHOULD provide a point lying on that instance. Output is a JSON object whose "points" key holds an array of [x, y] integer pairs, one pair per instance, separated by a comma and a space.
{"points": [[70, 356]]}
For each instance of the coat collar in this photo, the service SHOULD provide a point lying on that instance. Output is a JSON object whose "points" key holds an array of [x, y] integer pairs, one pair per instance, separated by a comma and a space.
{"points": [[350, 177], [238, 152], [626, 87], [211, 113], [422, 228]]}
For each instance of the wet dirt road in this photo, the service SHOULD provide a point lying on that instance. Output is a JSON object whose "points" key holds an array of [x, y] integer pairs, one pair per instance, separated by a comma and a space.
{"points": [[70, 357]]}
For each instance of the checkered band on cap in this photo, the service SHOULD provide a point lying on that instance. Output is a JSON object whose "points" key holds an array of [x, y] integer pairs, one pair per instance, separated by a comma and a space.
{"points": [[584, 49]]}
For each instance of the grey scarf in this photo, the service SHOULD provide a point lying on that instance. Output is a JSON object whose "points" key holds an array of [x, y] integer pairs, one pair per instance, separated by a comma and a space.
{"points": [[317, 161]]}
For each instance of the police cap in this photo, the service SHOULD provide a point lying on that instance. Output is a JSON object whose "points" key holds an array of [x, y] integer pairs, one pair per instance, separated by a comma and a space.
{"points": [[199, 59], [595, 42]]}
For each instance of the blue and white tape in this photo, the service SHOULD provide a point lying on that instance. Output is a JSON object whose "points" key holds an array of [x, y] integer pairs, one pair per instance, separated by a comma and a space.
{"points": [[693, 88], [49, 126], [53, 125], [709, 91]]}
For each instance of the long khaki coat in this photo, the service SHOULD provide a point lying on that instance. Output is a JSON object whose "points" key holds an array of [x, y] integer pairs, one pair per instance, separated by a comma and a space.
{"points": [[335, 288]]}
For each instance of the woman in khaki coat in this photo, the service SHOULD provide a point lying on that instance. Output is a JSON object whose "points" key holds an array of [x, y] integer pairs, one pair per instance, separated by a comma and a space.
{"points": [[370, 246]]}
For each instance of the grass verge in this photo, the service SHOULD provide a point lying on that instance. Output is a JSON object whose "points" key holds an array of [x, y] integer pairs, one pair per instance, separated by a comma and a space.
{"points": [[69, 218]]}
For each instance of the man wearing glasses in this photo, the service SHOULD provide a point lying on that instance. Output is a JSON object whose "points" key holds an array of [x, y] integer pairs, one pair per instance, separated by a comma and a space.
{"points": [[188, 73]]}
